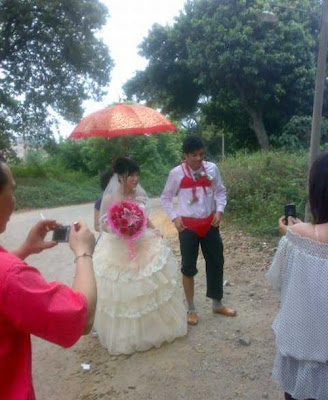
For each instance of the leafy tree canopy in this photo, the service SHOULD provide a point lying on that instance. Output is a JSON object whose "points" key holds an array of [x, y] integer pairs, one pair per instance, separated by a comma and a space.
{"points": [[50, 58], [221, 61]]}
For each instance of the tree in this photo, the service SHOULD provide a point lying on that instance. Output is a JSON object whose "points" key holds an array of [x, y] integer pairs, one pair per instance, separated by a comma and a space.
{"points": [[50, 58], [221, 60]]}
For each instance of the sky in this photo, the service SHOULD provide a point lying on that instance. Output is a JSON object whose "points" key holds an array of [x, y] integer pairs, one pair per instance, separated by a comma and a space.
{"points": [[128, 23]]}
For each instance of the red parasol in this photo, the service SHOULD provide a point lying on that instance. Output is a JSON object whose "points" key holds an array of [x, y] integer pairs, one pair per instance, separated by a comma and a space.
{"points": [[120, 120]]}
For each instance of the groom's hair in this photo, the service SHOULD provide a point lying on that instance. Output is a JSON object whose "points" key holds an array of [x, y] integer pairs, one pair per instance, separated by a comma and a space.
{"points": [[192, 143]]}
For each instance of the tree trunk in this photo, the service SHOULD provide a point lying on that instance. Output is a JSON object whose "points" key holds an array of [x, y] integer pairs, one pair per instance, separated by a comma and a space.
{"points": [[257, 125]]}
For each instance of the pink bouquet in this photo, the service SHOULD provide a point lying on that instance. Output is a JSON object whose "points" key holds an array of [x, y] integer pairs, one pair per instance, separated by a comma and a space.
{"points": [[127, 220]]}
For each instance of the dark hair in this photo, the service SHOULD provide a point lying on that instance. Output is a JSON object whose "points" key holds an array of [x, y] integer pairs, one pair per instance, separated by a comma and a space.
{"points": [[3, 175], [318, 189], [125, 166], [192, 143], [104, 178]]}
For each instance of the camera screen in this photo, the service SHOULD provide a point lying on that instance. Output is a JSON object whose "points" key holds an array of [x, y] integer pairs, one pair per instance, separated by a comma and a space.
{"points": [[61, 234]]}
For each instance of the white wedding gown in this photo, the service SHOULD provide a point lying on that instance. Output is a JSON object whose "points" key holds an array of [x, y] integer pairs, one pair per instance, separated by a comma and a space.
{"points": [[140, 302]]}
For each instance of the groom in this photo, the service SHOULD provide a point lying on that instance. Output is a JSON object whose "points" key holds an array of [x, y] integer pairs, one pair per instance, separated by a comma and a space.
{"points": [[201, 202]]}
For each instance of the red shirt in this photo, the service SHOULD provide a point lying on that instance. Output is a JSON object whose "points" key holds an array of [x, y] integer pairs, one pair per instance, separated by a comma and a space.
{"points": [[30, 305]]}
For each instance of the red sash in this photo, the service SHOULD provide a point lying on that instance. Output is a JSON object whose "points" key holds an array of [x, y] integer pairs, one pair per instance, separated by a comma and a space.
{"points": [[200, 226], [187, 182]]}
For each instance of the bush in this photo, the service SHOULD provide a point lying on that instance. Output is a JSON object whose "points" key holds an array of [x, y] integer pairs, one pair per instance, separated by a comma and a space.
{"points": [[32, 170], [259, 185], [296, 134], [48, 192], [49, 184]]}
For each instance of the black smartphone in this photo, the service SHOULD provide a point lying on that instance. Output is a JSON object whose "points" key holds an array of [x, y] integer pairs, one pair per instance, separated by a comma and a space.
{"points": [[61, 234], [290, 211]]}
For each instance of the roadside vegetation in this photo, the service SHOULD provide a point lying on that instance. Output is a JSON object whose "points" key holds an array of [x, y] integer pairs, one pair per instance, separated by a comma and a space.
{"points": [[258, 184]]}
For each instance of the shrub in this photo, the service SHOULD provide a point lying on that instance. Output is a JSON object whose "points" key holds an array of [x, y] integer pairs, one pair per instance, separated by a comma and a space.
{"points": [[259, 185], [32, 170], [48, 192], [296, 134]]}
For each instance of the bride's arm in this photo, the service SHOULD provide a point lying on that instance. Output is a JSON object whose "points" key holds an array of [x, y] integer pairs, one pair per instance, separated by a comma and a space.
{"points": [[157, 231], [96, 220]]}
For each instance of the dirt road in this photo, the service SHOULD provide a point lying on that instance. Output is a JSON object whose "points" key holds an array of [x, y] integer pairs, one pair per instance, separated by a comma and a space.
{"points": [[220, 359]]}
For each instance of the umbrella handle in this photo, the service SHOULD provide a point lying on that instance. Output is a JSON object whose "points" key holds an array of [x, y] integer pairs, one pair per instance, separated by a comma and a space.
{"points": [[124, 146]]}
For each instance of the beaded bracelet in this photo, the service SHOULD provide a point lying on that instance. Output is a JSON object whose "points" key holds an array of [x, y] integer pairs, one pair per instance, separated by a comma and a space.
{"points": [[82, 255]]}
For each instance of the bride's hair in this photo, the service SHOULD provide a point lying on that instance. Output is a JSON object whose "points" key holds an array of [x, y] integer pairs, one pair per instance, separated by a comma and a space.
{"points": [[125, 166]]}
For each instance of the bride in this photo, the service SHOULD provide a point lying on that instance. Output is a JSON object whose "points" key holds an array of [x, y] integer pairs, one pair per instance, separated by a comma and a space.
{"points": [[140, 303]]}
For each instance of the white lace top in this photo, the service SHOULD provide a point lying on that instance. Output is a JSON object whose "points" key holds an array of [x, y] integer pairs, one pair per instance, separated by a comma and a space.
{"points": [[300, 272]]}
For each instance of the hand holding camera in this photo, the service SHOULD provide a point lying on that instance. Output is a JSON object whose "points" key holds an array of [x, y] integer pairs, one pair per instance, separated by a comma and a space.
{"points": [[35, 241], [81, 239], [78, 235]]}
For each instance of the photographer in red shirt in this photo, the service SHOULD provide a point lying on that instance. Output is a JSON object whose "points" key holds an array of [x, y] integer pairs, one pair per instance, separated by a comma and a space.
{"points": [[30, 305]]}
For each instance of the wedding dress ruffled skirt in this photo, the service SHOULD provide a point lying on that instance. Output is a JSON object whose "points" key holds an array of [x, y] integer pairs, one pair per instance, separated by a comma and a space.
{"points": [[140, 302]]}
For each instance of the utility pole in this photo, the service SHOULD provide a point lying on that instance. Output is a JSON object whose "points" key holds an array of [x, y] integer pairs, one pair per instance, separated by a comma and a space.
{"points": [[319, 85], [320, 81]]}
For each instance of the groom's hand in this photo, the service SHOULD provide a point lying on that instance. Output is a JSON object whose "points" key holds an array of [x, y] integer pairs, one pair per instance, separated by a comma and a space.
{"points": [[179, 224], [216, 219]]}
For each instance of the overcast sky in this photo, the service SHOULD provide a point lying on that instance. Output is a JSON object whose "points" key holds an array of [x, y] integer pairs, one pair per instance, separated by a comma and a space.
{"points": [[127, 25]]}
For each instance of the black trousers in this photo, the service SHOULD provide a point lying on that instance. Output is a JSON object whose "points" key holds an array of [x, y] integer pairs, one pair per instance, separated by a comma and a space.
{"points": [[212, 249]]}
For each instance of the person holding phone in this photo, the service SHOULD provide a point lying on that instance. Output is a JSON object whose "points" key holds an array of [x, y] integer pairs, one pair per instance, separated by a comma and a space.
{"points": [[299, 271], [31, 306]]}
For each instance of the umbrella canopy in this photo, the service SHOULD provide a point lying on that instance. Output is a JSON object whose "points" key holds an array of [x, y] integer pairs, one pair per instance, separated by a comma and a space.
{"points": [[120, 120]]}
